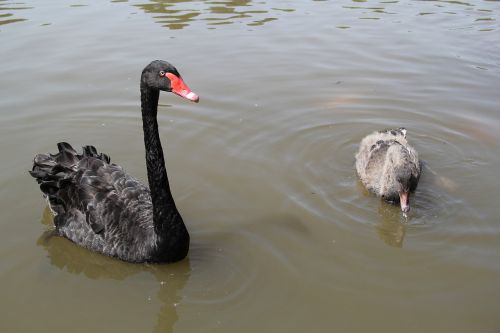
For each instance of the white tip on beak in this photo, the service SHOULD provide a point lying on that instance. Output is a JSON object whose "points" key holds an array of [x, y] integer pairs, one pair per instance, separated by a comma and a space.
{"points": [[404, 200]]}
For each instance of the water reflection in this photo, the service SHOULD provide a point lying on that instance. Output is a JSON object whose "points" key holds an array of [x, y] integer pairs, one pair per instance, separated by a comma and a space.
{"points": [[391, 227], [400, 11], [7, 10], [180, 13], [76, 260]]}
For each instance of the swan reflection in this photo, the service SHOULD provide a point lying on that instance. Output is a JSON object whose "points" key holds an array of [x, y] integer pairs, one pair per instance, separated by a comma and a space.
{"points": [[74, 259]]}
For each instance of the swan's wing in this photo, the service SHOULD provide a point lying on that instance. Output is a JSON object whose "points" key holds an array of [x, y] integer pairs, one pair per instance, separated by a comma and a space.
{"points": [[377, 155], [112, 199], [96, 204]]}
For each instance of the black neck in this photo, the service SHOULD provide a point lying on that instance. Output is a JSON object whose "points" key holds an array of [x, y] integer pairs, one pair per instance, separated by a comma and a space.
{"points": [[168, 223]]}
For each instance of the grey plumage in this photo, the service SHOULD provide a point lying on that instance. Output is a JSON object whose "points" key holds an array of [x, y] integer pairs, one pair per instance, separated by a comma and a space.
{"points": [[97, 205], [388, 166]]}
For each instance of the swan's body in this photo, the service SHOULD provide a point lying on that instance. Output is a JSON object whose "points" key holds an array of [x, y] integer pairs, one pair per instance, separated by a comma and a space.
{"points": [[97, 205], [388, 166]]}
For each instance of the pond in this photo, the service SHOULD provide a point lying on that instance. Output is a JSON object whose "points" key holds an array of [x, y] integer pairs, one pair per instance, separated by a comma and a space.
{"points": [[284, 238]]}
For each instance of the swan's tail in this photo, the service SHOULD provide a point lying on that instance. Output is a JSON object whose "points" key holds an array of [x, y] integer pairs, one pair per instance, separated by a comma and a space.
{"points": [[55, 172]]}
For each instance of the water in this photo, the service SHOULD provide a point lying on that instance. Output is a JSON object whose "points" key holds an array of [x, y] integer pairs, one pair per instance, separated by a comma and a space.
{"points": [[284, 237]]}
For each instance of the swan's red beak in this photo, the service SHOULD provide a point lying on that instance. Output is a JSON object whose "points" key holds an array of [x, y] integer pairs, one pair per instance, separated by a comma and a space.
{"points": [[404, 200], [180, 88]]}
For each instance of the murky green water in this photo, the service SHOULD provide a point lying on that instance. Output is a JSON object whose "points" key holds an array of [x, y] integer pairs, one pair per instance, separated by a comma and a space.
{"points": [[284, 238]]}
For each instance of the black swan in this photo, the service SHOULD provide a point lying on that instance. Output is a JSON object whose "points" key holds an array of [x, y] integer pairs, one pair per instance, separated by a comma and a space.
{"points": [[97, 205], [388, 166]]}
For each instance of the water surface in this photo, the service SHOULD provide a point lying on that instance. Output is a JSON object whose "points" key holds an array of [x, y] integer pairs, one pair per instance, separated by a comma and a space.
{"points": [[284, 237]]}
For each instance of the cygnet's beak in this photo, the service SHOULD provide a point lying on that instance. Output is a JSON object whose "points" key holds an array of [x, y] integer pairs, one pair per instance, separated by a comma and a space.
{"points": [[404, 200]]}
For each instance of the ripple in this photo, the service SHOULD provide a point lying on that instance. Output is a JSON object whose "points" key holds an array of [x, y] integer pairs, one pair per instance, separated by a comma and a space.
{"points": [[181, 14], [221, 270], [7, 10], [325, 183]]}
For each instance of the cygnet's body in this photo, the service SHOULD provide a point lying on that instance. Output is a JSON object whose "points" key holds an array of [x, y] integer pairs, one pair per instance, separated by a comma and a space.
{"points": [[388, 166]]}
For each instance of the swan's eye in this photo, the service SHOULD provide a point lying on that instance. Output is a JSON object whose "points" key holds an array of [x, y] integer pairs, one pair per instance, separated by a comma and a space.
{"points": [[162, 73]]}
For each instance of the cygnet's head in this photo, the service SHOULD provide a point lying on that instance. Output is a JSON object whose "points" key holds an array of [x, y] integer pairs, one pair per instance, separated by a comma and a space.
{"points": [[404, 178]]}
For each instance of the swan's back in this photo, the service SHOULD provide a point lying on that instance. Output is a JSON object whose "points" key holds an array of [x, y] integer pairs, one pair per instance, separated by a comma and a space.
{"points": [[379, 154], [96, 204]]}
